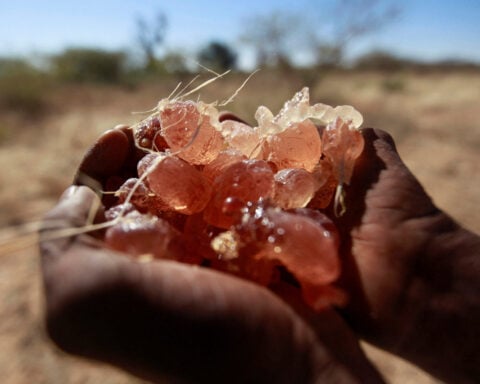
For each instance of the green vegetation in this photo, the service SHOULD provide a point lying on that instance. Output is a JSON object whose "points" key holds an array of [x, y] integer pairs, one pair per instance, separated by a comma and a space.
{"points": [[274, 38], [90, 65], [22, 86], [218, 56]]}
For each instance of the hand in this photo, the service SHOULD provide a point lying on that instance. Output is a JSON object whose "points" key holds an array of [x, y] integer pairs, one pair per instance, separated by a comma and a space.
{"points": [[166, 319], [411, 271]]}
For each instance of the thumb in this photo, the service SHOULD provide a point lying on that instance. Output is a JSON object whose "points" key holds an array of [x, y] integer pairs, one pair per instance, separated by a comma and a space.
{"points": [[74, 209], [381, 181]]}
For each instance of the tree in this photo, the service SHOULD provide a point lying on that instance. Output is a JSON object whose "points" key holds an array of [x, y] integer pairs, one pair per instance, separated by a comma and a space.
{"points": [[352, 20], [271, 35], [150, 36], [217, 56], [323, 32]]}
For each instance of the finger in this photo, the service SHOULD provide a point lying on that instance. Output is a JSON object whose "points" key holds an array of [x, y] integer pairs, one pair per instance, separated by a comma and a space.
{"points": [[72, 209], [155, 319], [225, 115], [378, 159], [63, 222], [170, 319], [379, 153], [105, 158], [334, 333], [380, 182], [376, 238]]}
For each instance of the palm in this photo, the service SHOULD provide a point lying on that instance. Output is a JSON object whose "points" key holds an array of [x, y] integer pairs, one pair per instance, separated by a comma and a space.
{"points": [[159, 318], [381, 230], [383, 235]]}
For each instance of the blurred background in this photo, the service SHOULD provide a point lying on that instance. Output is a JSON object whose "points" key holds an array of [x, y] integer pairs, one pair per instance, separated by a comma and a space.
{"points": [[70, 70]]}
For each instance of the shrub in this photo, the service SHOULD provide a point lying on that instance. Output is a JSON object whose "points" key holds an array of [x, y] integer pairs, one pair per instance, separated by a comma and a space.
{"points": [[22, 86], [393, 84], [90, 65], [381, 61], [218, 56]]}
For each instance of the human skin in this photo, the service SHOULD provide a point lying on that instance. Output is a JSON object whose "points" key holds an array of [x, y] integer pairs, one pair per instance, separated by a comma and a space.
{"points": [[410, 271]]}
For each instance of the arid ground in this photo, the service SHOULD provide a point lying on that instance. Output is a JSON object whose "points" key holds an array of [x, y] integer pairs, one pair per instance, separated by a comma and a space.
{"points": [[433, 116]]}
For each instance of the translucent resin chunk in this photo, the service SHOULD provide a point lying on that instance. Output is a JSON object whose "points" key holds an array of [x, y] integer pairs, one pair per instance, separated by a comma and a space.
{"points": [[139, 234], [342, 145], [224, 160], [148, 135], [248, 180], [298, 146], [242, 200], [180, 185], [308, 248], [190, 134], [294, 188], [242, 137]]}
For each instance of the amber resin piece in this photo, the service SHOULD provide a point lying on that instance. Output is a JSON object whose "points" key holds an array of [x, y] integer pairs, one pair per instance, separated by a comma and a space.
{"points": [[298, 146], [261, 271], [322, 220], [298, 109], [140, 196], [224, 160], [181, 186], [242, 137], [119, 210], [247, 180], [190, 134], [305, 245], [294, 188], [139, 235], [146, 163], [325, 185], [239, 199], [148, 135], [134, 190], [199, 235], [321, 297], [342, 145], [324, 195]]}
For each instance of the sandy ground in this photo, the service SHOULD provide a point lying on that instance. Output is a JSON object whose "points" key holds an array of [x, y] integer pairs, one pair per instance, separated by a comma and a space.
{"points": [[433, 118]]}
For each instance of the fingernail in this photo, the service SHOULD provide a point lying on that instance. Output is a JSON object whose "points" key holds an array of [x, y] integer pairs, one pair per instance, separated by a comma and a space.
{"points": [[69, 192]]}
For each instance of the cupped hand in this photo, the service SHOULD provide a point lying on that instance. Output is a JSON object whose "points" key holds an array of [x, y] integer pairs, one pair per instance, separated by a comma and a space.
{"points": [[166, 319], [388, 225], [411, 271]]}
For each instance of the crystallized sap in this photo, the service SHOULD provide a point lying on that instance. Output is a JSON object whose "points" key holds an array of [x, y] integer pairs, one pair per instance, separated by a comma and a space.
{"points": [[240, 199]]}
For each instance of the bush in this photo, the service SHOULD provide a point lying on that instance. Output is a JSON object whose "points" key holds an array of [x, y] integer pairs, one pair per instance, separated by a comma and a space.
{"points": [[393, 84], [381, 61], [218, 57], [175, 63], [22, 87], [90, 65]]}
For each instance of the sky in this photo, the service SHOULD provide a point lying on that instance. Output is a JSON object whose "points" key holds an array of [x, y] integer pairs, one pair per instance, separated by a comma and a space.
{"points": [[426, 29]]}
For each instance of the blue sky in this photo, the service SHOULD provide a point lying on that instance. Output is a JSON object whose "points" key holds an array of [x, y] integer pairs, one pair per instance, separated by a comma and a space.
{"points": [[426, 29]]}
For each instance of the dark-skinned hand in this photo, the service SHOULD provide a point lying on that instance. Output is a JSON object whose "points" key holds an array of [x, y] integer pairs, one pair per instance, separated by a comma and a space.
{"points": [[164, 319]]}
